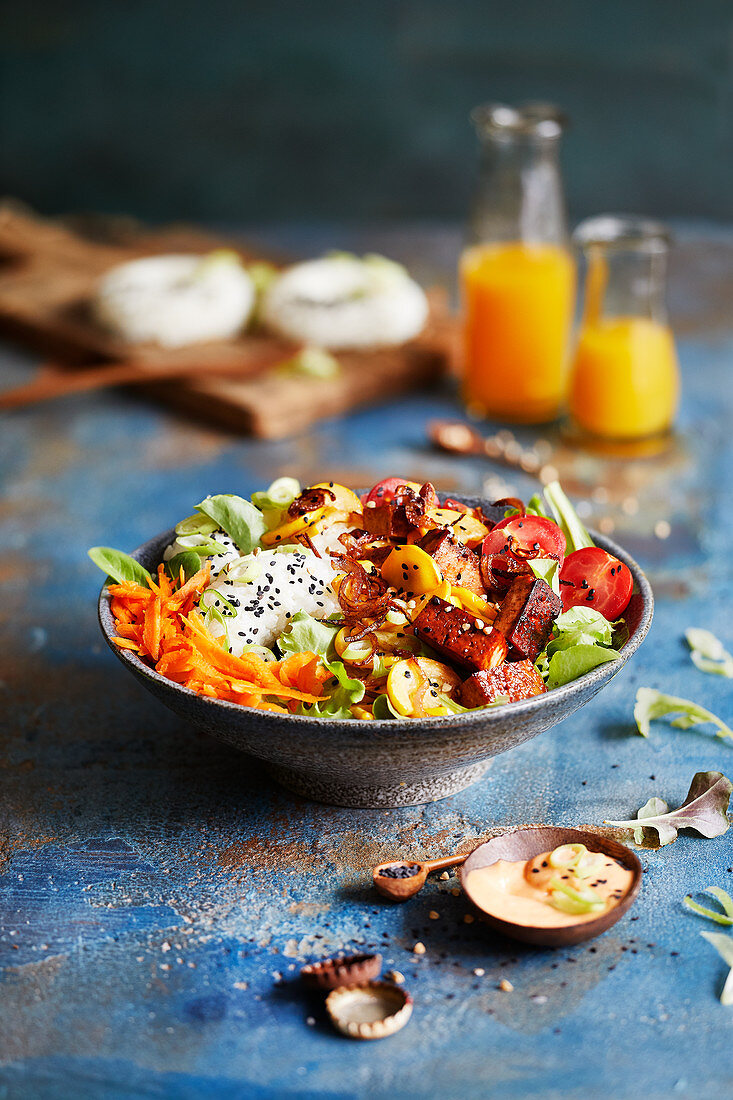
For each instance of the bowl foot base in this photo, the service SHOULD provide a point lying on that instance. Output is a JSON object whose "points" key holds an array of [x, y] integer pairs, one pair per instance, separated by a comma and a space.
{"points": [[321, 788]]}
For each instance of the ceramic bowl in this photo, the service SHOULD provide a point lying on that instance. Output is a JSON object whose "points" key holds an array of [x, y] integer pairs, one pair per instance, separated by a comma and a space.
{"points": [[403, 762], [528, 842]]}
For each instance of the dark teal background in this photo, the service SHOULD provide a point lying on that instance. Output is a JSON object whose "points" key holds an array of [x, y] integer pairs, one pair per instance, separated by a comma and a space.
{"points": [[254, 111]]}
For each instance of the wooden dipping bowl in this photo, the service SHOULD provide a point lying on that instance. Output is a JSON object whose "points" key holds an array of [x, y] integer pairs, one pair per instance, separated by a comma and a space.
{"points": [[526, 843]]}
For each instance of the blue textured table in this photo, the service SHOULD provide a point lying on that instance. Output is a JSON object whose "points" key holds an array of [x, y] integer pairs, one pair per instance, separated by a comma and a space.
{"points": [[158, 893]]}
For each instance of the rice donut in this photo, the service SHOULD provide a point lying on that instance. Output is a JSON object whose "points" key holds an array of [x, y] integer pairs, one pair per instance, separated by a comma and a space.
{"points": [[343, 301], [176, 300]]}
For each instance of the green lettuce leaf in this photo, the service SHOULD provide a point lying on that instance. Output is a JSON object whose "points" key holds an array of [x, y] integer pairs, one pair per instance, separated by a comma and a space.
{"points": [[705, 809], [340, 695], [708, 653], [651, 704], [580, 626], [724, 946], [568, 664], [307, 635], [238, 517], [118, 565], [567, 518], [188, 560]]}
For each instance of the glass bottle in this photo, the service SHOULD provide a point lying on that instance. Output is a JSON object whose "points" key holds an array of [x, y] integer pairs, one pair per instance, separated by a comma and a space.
{"points": [[517, 272], [625, 377]]}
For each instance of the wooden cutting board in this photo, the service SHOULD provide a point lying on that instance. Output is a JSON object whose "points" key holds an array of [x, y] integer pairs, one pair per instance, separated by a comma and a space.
{"points": [[48, 274]]}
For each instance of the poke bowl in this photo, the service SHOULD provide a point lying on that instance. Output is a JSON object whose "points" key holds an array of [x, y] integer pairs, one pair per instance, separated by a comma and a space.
{"points": [[384, 762]]}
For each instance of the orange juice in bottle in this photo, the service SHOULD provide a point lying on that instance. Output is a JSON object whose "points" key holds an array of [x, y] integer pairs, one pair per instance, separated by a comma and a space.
{"points": [[518, 303], [517, 275], [625, 376]]}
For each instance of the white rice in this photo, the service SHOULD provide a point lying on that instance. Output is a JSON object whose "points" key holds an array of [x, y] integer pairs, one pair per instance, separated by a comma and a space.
{"points": [[286, 583], [328, 540], [176, 300], [346, 302]]}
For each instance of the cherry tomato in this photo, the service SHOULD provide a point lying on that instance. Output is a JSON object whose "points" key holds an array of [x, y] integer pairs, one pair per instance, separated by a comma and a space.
{"points": [[593, 578], [527, 533], [385, 491]]}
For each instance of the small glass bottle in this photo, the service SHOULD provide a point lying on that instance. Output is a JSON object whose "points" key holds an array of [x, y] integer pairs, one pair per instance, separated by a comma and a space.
{"points": [[517, 273], [625, 377]]}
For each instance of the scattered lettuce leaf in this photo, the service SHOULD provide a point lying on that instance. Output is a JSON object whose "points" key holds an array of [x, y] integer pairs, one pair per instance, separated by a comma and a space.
{"points": [[722, 896], [548, 570], [568, 664], [708, 653], [307, 635], [339, 698], [724, 946], [704, 809], [651, 704], [576, 536], [238, 517], [118, 565], [188, 560]]}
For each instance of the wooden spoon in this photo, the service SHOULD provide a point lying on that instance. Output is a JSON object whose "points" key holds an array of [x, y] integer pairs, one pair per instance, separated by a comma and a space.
{"points": [[400, 889]]}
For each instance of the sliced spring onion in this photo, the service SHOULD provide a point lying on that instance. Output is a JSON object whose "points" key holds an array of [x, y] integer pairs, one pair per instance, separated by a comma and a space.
{"points": [[202, 545], [197, 524], [218, 257], [724, 946], [356, 652], [260, 651], [282, 492], [312, 362], [569, 900], [214, 615], [726, 903], [396, 618], [567, 518], [567, 855], [211, 597], [244, 570]]}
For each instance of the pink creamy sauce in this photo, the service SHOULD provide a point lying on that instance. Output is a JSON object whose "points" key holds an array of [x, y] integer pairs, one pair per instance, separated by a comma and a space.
{"points": [[519, 891]]}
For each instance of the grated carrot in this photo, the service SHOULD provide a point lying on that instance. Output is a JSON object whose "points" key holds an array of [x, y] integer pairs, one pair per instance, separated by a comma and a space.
{"points": [[162, 624]]}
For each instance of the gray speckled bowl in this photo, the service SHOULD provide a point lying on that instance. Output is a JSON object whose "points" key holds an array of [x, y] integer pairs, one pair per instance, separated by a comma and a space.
{"points": [[403, 762]]}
